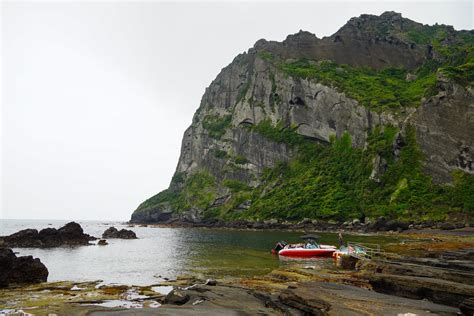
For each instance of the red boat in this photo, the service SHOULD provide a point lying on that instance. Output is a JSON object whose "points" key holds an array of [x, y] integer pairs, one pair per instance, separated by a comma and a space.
{"points": [[303, 250]]}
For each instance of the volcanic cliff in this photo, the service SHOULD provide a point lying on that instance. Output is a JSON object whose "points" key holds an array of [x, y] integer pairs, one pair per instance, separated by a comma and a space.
{"points": [[376, 119]]}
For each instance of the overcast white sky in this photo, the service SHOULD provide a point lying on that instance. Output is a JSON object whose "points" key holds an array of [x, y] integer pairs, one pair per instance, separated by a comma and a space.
{"points": [[96, 95]]}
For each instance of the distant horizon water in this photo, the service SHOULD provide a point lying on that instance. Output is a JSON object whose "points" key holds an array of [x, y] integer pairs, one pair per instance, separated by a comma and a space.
{"points": [[65, 219]]}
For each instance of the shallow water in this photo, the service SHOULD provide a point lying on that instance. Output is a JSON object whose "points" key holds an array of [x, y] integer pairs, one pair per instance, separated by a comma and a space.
{"points": [[167, 252]]}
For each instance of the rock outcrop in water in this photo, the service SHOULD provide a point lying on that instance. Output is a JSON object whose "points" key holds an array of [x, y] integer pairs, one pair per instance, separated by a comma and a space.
{"points": [[113, 232], [20, 270], [376, 119], [70, 234]]}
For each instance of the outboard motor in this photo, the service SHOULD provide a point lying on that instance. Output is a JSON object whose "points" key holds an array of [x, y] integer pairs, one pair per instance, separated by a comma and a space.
{"points": [[279, 246]]}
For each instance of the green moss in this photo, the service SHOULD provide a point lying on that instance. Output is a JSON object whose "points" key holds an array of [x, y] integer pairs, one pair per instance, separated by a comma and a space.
{"points": [[462, 193], [275, 98], [464, 74], [378, 90], [426, 33], [333, 182], [279, 133], [236, 185], [198, 190], [216, 125], [178, 177], [243, 91], [218, 153], [388, 88], [240, 160], [162, 197], [266, 55]]}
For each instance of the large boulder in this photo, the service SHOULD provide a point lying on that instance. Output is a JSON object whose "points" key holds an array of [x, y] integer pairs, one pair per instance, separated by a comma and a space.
{"points": [[113, 232], [70, 234], [20, 270]]}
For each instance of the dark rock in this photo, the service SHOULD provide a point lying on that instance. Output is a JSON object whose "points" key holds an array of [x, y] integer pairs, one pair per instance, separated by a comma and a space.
{"points": [[20, 270], [23, 238], [176, 297], [447, 226], [102, 242], [70, 234], [418, 270], [113, 232], [211, 282], [436, 290], [326, 298], [348, 262], [301, 299], [382, 224], [467, 306]]}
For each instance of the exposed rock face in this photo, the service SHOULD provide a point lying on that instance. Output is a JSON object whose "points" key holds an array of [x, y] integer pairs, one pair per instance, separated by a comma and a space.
{"points": [[252, 90], [363, 41], [113, 232], [445, 131], [20, 270], [70, 234]]}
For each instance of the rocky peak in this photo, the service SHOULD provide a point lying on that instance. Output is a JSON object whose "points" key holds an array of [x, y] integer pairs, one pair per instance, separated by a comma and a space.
{"points": [[369, 40]]}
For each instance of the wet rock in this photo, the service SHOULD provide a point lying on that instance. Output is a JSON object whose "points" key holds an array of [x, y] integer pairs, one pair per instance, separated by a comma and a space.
{"points": [[347, 262], [271, 222], [113, 232], [211, 282], [382, 224], [467, 306], [418, 270], [23, 238], [176, 297], [20, 270], [356, 221], [303, 299], [321, 298], [438, 291], [447, 226], [70, 234], [102, 242]]}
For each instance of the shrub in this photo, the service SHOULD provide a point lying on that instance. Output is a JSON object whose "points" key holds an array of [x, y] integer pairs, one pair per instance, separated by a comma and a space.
{"points": [[218, 153], [241, 160], [216, 125]]}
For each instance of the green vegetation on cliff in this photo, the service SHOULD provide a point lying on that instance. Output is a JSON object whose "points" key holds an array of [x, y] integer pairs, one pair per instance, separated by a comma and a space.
{"points": [[216, 125], [393, 88], [333, 182], [387, 88], [329, 182], [198, 190]]}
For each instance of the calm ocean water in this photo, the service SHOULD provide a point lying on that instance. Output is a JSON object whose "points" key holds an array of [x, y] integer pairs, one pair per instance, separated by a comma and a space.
{"points": [[163, 252]]}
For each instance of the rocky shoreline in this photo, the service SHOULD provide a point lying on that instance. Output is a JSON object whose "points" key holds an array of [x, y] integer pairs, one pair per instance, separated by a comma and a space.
{"points": [[381, 224], [424, 277], [70, 234]]}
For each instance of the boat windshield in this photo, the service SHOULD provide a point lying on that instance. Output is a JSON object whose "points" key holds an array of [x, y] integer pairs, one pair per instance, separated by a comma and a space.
{"points": [[311, 246]]}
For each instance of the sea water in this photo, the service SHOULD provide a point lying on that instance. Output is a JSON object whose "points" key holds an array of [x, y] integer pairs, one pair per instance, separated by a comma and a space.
{"points": [[161, 253]]}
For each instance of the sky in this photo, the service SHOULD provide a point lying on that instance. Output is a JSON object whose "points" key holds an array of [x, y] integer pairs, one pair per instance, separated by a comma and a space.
{"points": [[95, 96]]}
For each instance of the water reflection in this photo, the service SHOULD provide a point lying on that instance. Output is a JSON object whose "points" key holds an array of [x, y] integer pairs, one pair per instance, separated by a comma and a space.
{"points": [[166, 253]]}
